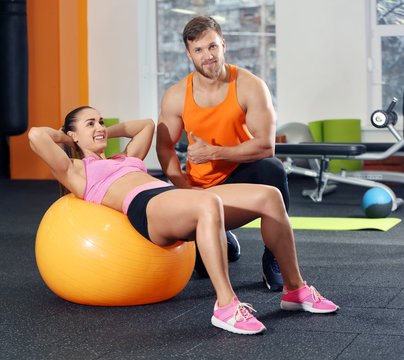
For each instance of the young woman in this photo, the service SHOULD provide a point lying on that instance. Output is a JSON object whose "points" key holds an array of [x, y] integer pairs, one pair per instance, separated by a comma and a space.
{"points": [[163, 213]]}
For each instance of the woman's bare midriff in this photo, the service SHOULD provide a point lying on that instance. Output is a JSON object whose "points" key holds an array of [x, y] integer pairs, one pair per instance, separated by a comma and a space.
{"points": [[121, 187]]}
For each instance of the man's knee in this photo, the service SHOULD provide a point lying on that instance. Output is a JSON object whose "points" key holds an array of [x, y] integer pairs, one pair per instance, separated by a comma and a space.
{"points": [[271, 172], [270, 169]]}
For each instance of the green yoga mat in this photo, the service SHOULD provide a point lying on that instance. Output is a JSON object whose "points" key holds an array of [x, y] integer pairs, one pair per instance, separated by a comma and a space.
{"points": [[331, 223]]}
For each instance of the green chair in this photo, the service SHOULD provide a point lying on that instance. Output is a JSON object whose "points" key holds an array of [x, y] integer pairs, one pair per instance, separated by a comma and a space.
{"points": [[338, 131], [113, 145]]}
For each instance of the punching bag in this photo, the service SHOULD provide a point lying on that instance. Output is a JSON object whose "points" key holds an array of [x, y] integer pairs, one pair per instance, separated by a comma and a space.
{"points": [[13, 75], [13, 67]]}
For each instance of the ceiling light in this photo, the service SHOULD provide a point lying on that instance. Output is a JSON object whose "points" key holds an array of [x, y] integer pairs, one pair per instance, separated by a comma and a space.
{"points": [[219, 18], [183, 11]]}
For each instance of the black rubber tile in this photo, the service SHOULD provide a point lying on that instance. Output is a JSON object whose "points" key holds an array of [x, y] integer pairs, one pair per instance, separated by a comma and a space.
{"points": [[347, 320], [272, 345], [366, 347], [383, 276], [397, 302], [359, 270]]}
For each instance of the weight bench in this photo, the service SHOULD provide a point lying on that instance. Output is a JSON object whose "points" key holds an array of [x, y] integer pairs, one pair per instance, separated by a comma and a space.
{"points": [[319, 155]]}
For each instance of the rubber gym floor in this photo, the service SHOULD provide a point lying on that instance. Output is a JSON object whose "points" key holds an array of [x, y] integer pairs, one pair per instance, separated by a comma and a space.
{"points": [[361, 271]]}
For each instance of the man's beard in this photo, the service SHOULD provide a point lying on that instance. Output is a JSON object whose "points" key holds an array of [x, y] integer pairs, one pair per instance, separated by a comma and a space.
{"points": [[211, 75]]}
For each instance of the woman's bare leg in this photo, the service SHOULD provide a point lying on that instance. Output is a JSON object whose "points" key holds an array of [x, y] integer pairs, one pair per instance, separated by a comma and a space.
{"points": [[245, 202], [180, 214]]}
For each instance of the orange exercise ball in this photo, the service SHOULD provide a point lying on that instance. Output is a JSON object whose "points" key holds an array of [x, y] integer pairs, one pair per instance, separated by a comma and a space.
{"points": [[90, 254]]}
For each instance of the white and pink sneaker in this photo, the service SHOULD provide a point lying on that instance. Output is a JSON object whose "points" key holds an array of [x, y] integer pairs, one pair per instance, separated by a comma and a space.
{"points": [[237, 318], [307, 299]]}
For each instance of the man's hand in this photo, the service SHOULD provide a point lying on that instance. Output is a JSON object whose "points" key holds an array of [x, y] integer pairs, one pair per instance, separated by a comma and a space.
{"points": [[200, 151]]}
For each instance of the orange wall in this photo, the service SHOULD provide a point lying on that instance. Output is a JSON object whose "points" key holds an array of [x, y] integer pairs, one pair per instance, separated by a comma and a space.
{"points": [[57, 75]]}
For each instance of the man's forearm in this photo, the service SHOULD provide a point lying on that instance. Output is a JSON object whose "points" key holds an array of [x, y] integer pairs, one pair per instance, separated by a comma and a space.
{"points": [[180, 181], [249, 151], [172, 169]]}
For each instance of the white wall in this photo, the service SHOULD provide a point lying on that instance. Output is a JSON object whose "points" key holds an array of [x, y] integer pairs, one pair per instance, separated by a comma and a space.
{"points": [[322, 54], [122, 61], [321, 57], [323, 49]]}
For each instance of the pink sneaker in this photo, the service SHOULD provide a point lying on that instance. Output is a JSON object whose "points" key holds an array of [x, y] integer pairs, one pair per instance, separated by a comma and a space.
{"points": [[237, 318], [307, 299]]}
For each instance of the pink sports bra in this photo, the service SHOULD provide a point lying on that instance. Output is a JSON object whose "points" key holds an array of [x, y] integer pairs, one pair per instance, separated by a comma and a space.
{"points": [[101, 174]]}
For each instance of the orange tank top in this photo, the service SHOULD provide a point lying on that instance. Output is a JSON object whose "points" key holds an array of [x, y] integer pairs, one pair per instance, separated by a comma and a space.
{"points": [[222, 125]]}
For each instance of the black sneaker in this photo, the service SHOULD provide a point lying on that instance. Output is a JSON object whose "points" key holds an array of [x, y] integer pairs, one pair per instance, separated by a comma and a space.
{"points": [[272, 275], [233, 254], [233, 247], [199, 266]]}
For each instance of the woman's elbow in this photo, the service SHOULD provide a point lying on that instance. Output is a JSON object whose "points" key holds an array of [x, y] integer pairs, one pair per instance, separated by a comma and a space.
{"points": [[150, 123], [34, 134], [32, 131]]}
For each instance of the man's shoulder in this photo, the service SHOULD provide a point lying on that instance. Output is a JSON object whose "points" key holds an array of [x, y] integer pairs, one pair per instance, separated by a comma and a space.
{"points": [[174, 97], [244, 75], [249, 87], [177, 90]]}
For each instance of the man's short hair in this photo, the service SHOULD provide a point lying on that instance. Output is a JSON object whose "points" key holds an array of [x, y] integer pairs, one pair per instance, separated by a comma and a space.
{"points": [[197, 26]]}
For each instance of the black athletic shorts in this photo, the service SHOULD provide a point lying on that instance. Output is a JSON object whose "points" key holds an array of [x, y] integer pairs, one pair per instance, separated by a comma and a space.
{"points": [[137, 208]]}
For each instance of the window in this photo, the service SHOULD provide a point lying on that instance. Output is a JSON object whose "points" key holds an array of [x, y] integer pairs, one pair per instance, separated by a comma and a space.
{"points": [[248, 27], [387, 23]]}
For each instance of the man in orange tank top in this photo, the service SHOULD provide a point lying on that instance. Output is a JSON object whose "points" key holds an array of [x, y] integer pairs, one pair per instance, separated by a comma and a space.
{"points": [[228, 116]]}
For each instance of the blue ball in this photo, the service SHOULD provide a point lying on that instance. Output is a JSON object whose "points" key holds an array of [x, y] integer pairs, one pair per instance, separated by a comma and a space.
{"points": [[377, 203]]}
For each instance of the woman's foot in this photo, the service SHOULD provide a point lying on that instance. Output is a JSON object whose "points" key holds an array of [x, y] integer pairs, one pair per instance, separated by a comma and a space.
{"points": [[237, 318], [307, 299]]}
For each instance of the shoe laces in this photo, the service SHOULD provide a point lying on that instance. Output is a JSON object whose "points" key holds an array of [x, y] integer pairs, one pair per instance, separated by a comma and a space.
{"points": [[243, 311], [316, 295]]}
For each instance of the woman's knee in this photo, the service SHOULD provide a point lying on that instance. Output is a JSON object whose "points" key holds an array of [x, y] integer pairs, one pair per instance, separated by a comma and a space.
{"points": [[271, 199], [182, 221], [210, 204]]}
